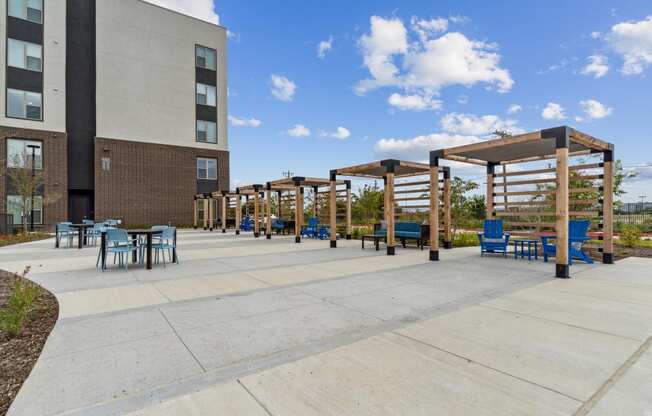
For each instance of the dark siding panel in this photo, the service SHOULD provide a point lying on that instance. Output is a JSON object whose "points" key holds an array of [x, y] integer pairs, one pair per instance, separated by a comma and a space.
{"points": [[206, 113], [22, 79], [80, 93], [206, 76], [205, 186], [24, 30]]}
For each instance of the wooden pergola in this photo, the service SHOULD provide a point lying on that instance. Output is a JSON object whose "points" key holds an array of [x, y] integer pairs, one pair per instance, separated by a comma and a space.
{"points": [[255, 190], [391, 169], [561, 144], [226, 197], [297, 185], [206, 204]]}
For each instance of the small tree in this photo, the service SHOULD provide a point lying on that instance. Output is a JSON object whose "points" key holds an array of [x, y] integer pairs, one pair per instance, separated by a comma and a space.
{"points": [[460, 211], [27, 183], [368, 205]]}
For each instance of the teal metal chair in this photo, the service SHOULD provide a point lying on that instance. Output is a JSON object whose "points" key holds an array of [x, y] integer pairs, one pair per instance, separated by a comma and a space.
{"points": [[64, 230], [166, 243], [119, 243]]}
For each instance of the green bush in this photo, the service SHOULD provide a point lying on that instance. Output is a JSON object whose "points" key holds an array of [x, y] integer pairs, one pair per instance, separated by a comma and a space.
{"points": [[19, 305], [631, 236], [466, 240]]}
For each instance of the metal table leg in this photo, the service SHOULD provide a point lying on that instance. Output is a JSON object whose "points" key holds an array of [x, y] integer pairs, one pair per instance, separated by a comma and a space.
{"points": [[149, 251]]}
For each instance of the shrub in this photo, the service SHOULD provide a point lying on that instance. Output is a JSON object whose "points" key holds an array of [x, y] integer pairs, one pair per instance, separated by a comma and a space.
{"points": [[466, 240], [19, 305], [631, 235]]}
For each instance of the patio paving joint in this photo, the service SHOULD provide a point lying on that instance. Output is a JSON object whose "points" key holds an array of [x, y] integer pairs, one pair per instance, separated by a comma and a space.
{"points": [[182, 342], [617, 375], [488, 367], [261, 404]]}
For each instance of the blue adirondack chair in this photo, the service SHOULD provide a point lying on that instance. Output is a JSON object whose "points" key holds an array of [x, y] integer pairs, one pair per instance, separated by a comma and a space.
{"points": [[278, 225], [493, 239], [247, 224], [324, 233], [312, 229], [577, 236]]}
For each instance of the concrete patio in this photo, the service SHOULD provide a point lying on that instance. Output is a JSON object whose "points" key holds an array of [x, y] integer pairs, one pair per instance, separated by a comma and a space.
{"points": [[249, 326]]}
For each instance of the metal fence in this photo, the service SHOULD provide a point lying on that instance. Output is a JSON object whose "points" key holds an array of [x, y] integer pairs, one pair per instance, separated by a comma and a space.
{"points": [[634, 213]]}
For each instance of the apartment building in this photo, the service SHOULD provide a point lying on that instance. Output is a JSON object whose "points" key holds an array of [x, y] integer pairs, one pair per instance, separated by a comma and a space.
{"points": [[121, 103]]}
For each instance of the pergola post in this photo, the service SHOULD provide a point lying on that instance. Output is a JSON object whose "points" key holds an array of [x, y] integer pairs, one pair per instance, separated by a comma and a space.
{"points": [[268, 212], [448, 235], [434, 207], [349, 225], [280, 203], [608, 207], [298, 213], [389, 211], [562, 213], [238, 213], [490, 189], [206, 205], [224, 213], [332, 196], [256, 213], [194, 213]]}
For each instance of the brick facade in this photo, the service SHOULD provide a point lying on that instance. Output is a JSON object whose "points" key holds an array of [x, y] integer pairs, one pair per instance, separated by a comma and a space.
{"points": [[150, 183], [55, 158]]}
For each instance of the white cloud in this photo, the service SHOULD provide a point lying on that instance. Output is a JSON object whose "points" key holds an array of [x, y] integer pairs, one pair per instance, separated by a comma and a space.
{"points": [[299, 130], [633, 41], [427, 29], [553, 111], [414, 102], [418, 148], [597, 66], [201, 9], [428, 64], [595, 109], [342, 133], [595, 35], [514, 108], [472, 125], [463, 99], [324, 46], [282, 88], [244, 122], [388, 37]]}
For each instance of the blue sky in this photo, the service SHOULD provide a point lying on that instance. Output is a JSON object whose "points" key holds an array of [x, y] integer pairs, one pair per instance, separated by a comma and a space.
{"points": [[397, 78]]}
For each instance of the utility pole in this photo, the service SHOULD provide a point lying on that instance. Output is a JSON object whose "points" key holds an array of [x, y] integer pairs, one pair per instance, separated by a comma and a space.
{"points": [[31, 202], [288, 173]]}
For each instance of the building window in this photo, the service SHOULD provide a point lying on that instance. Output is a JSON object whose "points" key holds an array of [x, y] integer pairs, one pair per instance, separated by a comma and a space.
{"points": [[19, 210], [19, 155], [206, 168], [24, 104], [25, 55], [206, 131], [206, 95], [200, 210], [31, 10], [106, 164], [206, 58]]}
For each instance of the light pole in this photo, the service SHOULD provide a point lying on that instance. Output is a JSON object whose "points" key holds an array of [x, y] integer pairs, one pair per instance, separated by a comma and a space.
{"points": [[31, 203]]}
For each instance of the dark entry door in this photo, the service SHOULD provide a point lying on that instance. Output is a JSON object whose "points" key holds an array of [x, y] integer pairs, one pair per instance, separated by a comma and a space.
{"points": [[80, 206]]}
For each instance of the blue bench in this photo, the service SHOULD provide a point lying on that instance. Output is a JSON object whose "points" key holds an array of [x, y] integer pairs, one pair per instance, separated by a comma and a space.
{"points": [[278, 226], [404, 230]]}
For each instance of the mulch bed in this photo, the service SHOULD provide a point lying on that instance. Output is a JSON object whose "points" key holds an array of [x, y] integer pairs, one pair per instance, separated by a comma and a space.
{"points": [[18, 355], [620, 252]]}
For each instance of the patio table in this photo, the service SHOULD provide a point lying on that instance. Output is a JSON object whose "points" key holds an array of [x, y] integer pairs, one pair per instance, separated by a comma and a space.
{"points": [[135, 233], [82, 235], [529, 244], [376, 239]]}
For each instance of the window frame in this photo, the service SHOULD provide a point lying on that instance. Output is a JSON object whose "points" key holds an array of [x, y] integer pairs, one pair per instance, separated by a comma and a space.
{"points": [[207, 88], [206, 50], [206, 130], [38, 202], [25, 55], [40, 159], [206, 168], [24, 92], [25, 8]]}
